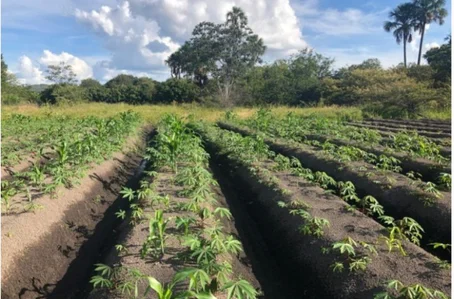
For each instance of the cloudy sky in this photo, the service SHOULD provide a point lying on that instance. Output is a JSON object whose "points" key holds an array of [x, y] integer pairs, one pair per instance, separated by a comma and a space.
{"points": [[102, 38]]}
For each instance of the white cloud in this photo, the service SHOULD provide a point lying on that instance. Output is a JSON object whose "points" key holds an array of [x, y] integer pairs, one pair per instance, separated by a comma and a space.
{"points": [[141, 34], [34, 73], [273, 20], [431, 45], [28, 73], [134, 42], [351, 21], [79, 66]]}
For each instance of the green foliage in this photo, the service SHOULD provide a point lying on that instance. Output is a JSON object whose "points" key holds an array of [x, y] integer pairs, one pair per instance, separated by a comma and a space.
{"points": [[389, 93], [397, 290], [295, 81], [223, 51], [439, 60], [240, 289], [155, 242], [63, 94], [177, 90]]}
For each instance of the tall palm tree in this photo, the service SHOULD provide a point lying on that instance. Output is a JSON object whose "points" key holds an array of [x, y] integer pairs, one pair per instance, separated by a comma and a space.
{"points": [[428, 11], [401, 24]]}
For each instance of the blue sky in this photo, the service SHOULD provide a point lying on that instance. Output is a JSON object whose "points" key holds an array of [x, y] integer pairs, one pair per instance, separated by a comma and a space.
{"points": [[102, 38]]}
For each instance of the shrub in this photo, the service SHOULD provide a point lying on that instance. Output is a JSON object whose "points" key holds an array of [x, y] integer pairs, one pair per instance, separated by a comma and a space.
{"points": [[63, 94], [178, 90]]}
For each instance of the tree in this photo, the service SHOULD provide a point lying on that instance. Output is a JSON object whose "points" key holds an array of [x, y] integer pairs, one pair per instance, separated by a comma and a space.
{"points": [[122, 79], [368, 64], [61, 73], [224, 51], [439, 60], [402, 23], [90, 83], [428, 11], [180, 91]]}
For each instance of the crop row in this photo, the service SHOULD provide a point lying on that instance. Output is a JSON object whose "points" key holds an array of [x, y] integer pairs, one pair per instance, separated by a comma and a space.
{"points": [[25, 136], [67, 160], [178, 232], [398, 194], [380, 128], [384, 158], [298, 127], [417, 127], [342, 252]]}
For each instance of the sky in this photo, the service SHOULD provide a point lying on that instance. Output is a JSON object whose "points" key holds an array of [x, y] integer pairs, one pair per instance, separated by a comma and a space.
{"points": [[103, 38]]}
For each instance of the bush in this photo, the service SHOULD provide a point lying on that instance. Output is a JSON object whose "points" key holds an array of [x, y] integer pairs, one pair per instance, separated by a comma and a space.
{"points": [[17, 94], [389, 93], [178, 90], [63, 94]]}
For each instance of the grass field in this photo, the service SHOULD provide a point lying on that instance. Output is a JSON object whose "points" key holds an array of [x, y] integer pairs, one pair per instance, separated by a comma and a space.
{"points": [[152, 113]]}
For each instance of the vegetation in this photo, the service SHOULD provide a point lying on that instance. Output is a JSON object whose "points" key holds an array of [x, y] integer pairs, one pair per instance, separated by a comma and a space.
{"points": [[220, 65]]}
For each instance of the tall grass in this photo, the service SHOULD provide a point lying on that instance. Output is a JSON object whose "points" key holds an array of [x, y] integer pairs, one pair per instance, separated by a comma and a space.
{"points": [[152, 113]]}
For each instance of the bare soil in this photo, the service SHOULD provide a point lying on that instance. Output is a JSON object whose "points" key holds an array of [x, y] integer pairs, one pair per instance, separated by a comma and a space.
{"points": [[42, 251], [445, 123], [388, 129], [301, 255], [419, 127]]}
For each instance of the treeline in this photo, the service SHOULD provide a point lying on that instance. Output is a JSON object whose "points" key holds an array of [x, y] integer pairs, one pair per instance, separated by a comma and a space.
{"points": [[221, 65]]}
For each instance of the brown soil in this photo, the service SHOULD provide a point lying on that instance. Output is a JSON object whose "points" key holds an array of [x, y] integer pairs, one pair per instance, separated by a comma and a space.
{"points": [[132, 237], [9, 171], [421, 127], [434, 122], [301, 254], [395, 192], [387, 129], [39, 250], [430, 170]]}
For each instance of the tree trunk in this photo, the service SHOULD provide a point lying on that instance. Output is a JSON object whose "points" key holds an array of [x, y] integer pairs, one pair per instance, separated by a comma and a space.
{"points": [[421, 42], [405, 52]]}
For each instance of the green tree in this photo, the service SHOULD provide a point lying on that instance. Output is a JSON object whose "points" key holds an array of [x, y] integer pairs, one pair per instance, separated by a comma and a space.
{"points": [[94, 91], [223, 51], [307, 69], [61, 73], [439, 60], [428, 11], [178, 90], [122, 79], [368, 64], [90, 83], [401, 24]]}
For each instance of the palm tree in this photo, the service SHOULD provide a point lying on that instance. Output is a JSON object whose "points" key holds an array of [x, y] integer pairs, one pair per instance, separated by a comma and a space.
{"points": [[401, 25], [428, 11]]}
